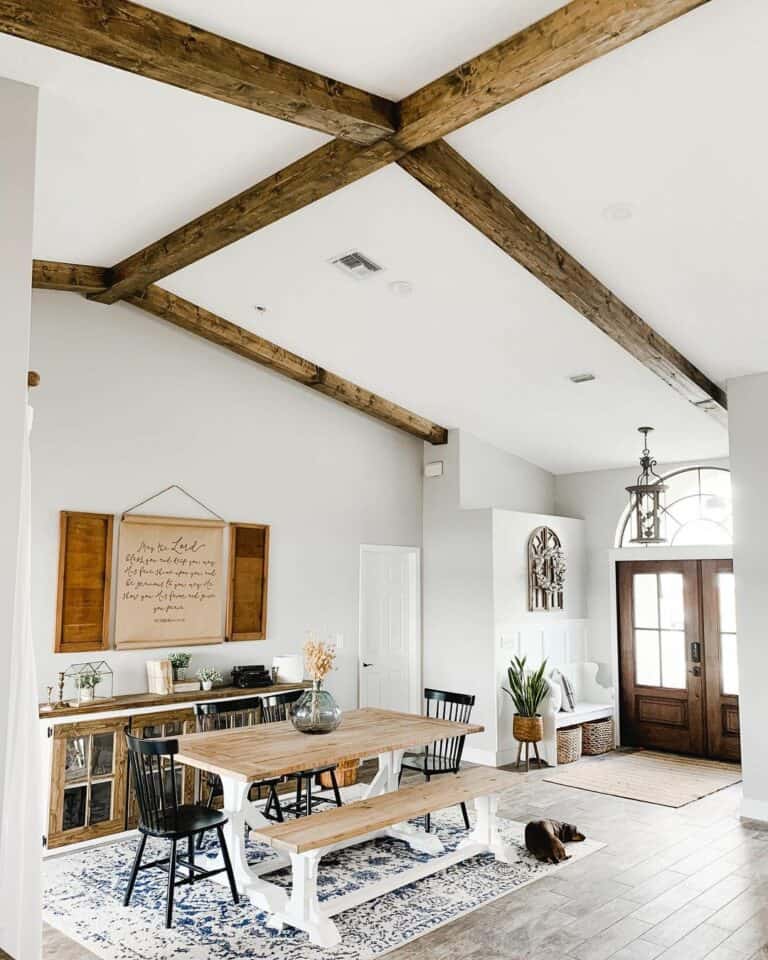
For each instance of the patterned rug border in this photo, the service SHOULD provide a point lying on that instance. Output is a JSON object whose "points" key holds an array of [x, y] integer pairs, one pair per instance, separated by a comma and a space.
{"points": [[577, 853]]}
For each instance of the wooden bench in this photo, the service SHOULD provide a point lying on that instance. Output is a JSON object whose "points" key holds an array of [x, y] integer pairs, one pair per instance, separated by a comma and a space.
{"points": [[307, 839]]}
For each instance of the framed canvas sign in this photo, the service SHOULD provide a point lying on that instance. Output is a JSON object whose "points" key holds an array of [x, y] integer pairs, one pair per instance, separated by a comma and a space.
{"points": [[170, 582]]}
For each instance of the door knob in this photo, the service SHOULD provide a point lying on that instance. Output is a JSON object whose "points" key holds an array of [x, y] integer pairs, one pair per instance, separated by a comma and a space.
{"points": [[367, 664]]}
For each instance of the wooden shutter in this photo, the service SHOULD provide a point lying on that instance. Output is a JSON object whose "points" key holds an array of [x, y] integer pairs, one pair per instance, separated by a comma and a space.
{"points": [[248, 564], [85, 573]]}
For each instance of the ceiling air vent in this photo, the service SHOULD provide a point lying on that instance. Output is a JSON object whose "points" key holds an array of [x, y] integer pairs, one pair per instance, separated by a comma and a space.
{"points": [[356, 264]]}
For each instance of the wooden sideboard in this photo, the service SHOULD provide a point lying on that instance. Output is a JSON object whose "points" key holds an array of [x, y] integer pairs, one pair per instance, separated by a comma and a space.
{"points": [[89, 794]]}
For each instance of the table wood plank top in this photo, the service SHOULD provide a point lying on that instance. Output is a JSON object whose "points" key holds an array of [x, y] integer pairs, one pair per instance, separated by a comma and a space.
{"points": [[256, 753]]}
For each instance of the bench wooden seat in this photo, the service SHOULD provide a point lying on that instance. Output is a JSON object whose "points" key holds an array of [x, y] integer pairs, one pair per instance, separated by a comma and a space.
{"points": [[308, 838], [360, 817]]}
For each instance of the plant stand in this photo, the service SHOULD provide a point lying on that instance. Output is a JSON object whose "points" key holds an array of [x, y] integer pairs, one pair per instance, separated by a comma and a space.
{"points": [[528, 744]]}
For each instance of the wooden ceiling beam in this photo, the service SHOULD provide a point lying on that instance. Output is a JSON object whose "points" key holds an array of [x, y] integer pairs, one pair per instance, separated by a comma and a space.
{"points": [[577, 33], [569, 38], [50, 275], [76, 277], [131, 37], [448, 175], [320, 173]]}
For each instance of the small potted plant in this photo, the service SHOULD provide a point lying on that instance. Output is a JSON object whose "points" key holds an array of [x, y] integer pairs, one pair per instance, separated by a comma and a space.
{"points": [[179, 664], [86, 684], [208, 676], [527, 690]]}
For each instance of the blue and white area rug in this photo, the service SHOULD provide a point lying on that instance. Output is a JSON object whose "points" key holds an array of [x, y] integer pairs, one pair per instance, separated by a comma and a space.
{"points": [[83, 898]]}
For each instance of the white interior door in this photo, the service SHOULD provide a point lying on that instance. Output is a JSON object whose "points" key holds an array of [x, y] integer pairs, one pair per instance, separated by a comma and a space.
{"points": [[390, 628]]}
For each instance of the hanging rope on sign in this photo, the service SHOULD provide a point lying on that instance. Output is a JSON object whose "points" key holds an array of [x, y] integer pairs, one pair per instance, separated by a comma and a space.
{"points": [[175, 486]]}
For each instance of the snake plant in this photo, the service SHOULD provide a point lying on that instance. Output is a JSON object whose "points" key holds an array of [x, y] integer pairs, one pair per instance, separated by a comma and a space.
{"points": [[526, 689]]}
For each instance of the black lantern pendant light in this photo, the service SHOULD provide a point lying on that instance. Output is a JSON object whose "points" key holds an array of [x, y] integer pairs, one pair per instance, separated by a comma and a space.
{"points": [[645, 498]]}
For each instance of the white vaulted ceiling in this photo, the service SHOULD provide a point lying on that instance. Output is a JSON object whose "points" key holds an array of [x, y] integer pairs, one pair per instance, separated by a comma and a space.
{"points": [[670, 125]]}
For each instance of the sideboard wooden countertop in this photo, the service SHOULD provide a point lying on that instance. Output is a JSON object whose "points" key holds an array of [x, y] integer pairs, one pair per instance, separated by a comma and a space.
{"points": [[134, 701]]}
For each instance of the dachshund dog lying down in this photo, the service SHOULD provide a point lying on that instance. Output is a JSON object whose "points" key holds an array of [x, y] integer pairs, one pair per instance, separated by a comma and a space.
{"points": [[545, 839]]}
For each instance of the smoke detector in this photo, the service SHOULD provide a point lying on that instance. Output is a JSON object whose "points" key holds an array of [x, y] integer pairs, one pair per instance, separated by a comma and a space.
{"points": [[582, 378], [356, 264]]}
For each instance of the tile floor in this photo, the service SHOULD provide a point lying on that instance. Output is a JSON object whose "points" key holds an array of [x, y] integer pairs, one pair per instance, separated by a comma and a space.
{"points": [[670, 884]]}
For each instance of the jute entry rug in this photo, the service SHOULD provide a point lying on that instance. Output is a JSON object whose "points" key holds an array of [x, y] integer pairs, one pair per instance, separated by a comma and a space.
{"points": [[662, 778]]}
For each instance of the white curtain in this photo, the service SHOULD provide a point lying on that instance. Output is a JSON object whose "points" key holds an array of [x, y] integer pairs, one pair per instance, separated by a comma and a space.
{"points": [[22, 828]]}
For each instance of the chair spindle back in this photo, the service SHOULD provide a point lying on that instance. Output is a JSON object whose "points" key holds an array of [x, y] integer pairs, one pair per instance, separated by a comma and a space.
{"points": [[276, 707], [444, 705], [156, 780]]}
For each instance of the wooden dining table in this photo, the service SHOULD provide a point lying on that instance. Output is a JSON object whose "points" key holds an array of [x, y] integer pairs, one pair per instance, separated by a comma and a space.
{"points": [[246, 755]]}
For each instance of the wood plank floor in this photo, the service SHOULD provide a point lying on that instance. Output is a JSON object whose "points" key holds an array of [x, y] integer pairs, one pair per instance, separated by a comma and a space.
{"points": [[672, 884]]}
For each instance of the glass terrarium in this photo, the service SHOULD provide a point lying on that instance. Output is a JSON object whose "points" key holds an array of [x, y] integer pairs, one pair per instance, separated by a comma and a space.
{"points": [[90, 681]]}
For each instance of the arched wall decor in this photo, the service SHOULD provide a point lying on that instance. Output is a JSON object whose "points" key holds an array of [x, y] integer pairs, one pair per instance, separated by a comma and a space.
{"points": [[696, 509], [546, 570]]}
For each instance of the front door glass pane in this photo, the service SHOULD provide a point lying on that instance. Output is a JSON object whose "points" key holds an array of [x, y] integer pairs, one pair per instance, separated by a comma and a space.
{"points": [[673, 659], [729, 665], [672, 611], [647, 659], [727, 598], [645, 591]]}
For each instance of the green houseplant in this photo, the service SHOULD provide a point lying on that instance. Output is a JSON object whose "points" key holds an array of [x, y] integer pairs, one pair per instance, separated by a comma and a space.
{"points": [[179, 663], [527, 690], [208, 676], [86, 684]]}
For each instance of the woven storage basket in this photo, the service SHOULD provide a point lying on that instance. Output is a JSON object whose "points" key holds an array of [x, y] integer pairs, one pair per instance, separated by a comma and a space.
{"points": [[597, 737], [346, 774], [568, 744]]}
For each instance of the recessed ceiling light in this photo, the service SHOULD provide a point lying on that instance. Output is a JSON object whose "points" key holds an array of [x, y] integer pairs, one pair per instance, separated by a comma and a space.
{"points": [[619, 211], [582, 377], [400, 288]]}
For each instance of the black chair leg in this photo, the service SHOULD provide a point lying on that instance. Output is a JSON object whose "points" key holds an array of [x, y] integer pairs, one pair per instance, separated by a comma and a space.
{"points": [[274, 799], [298, 795], [191, 857], [171, 885], [335, 785], [135, 869], [208, 804], [228, 865], [465, 815], [427, 816], [308, 807]]}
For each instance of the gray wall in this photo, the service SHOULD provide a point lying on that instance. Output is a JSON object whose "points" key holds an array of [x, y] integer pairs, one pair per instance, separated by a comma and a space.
{"points": [[129, 404]]}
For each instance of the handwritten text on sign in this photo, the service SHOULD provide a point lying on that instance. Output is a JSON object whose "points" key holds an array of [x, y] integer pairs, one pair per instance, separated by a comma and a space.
{"points": [[170, 582]]}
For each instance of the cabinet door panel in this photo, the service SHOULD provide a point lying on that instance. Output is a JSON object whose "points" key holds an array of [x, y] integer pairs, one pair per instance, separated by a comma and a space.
{"points": [[88, 776]]}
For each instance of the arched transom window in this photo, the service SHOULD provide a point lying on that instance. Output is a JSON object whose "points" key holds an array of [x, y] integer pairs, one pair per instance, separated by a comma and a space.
{"points": [[697, 509]]}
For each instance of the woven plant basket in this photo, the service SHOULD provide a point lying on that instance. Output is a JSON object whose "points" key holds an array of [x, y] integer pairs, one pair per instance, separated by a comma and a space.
{"points": [[527, 729], [346, 774], [597, 737], [568, 744]]}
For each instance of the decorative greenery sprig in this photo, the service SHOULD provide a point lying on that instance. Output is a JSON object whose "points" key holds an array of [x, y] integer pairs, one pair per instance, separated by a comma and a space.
{"points": [[88, 681], [211, 674], [318, 657], [180, 660], [527, 690]]}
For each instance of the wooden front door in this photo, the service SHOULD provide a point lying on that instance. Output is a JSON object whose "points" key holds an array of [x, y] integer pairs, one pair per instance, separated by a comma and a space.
{"points": [[677, 644]]}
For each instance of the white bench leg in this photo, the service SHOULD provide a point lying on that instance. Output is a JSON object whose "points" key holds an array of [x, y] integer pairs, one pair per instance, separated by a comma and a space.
{"points": [[303, 910], [485, 832], [415, 837], [238, 809]]}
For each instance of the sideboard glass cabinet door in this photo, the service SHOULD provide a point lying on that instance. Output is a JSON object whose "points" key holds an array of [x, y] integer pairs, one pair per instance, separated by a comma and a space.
{"points": [[88, 781]]}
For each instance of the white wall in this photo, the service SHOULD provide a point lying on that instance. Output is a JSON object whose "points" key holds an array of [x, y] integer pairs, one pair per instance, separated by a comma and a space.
{"points": [[18, 119], [459, 615], [559, 636], [747, 411], [599, 498], [129, 404], [490, 477]]}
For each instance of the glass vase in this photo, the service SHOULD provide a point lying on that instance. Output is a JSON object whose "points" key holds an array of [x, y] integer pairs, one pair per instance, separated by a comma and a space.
{"points": [[316, 711]]}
